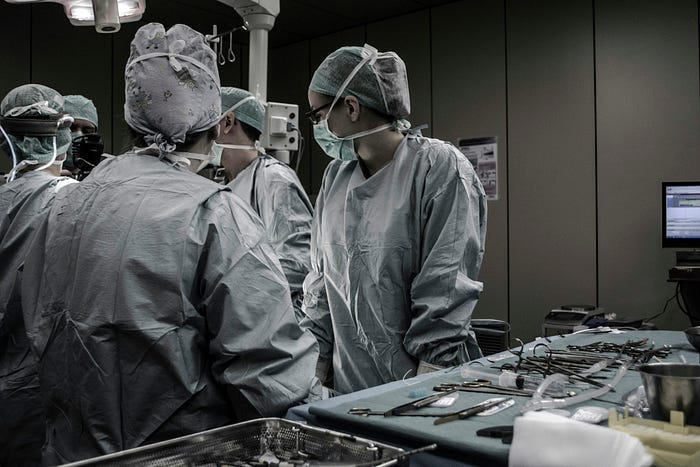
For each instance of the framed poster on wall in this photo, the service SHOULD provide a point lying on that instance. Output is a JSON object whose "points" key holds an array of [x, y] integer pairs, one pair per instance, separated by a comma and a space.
{"points": [[483, 154]]}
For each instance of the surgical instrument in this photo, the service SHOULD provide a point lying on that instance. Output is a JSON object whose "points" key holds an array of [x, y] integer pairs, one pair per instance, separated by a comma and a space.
{"points": [[466, 413], [482, 387], [417, 404], [365, 411]]}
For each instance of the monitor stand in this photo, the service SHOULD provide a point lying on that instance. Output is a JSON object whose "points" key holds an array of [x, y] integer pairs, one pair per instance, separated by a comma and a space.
{"points": [[687, 274], [688, 258]]}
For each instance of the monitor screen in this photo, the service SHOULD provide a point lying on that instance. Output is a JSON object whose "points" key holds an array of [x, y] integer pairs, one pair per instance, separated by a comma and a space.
{"points": [[681, 214]]}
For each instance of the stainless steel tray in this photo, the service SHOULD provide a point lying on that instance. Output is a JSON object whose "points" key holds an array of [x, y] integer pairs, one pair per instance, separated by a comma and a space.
{"points": [[266, 441]]}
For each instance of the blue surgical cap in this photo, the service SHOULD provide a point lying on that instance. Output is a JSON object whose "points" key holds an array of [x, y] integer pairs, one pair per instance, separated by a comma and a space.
{"points": [[380, 84], [78, 106], [251, 111], [35, 100]]}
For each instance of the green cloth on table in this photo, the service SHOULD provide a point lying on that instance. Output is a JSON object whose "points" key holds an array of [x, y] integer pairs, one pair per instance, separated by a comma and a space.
{"points": [[460, 435]]}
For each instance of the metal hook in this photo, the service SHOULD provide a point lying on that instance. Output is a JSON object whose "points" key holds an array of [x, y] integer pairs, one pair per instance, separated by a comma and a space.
{"points": [[222, 59], [231, 55], [213, 38]]}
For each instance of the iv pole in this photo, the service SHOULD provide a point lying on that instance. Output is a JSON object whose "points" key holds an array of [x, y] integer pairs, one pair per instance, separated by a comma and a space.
{"points": [[259, 17]]}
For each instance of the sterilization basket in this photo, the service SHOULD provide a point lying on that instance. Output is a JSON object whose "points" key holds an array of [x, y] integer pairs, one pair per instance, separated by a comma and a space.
{"points": [[266, 441]]}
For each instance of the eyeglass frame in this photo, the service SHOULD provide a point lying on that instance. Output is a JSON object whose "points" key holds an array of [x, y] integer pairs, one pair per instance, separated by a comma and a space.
{"points": [[312, 114]]}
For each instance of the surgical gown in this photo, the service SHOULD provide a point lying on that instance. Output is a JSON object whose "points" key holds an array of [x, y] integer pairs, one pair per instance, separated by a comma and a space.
{"points": [[22, 203], [157, 309], [275, 193], [395, 259]]}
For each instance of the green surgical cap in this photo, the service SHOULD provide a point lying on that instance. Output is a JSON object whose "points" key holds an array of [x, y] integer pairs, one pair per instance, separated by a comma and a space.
{"points": [[81, 107], [380, 84], [251, 111], [33, 100]]}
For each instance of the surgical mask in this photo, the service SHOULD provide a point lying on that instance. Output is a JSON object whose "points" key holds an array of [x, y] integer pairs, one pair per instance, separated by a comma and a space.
{"points": [[337, 147], [218, 148], [343, 148]]}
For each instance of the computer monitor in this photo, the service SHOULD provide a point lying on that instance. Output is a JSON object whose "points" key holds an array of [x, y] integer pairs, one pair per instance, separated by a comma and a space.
{"points": [[680, 214]]}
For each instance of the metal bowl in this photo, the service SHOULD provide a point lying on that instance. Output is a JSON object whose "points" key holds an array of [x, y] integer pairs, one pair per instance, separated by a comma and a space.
{"points": [[693, 336], [672, 386]]}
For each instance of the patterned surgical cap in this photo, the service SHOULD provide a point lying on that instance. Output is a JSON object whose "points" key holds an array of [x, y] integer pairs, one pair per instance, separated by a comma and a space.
{"points": [[172, 85]]}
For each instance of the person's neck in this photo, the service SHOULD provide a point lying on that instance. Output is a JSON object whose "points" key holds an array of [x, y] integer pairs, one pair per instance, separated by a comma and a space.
{"points": [[377, 150], [239, 160], [53, 169]]}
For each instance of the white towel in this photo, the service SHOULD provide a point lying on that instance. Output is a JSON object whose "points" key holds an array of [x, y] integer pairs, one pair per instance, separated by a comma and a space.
{"points": [[542, 439]]}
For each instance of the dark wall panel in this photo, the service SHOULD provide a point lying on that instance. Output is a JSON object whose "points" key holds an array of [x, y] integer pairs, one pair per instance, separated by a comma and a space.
{"points": [[288, 81], [551, 158], [15, 29], [648, 132], [469, 100], [414, 49]]}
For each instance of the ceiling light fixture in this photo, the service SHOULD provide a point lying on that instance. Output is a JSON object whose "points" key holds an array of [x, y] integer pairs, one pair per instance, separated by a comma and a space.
{"points": [[105, 15]]}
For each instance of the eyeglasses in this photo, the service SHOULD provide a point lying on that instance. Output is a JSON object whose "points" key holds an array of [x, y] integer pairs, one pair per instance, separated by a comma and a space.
{"points": [[313, 115]]}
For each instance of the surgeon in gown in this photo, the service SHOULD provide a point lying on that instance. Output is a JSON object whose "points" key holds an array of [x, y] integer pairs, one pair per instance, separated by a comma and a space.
{"points": [[398, 232], [23, 203], [156, 305], [270, 186]]}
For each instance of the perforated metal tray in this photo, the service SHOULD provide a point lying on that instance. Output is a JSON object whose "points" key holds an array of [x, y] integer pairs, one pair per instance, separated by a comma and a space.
{"points": [[266, 441]]}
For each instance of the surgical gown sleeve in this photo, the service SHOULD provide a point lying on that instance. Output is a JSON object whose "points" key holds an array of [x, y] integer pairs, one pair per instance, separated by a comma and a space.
{"points": [[445, 290], [258, 349], [317, 316], [289, 231]]}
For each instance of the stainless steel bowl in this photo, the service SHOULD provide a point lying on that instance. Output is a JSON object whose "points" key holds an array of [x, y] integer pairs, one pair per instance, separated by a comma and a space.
{"points": [[672, 386], [693, 336]]}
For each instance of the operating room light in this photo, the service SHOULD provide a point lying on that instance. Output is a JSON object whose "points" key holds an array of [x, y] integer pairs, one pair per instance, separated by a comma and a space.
{"points": [[110, 13], [85, 13], [82, 13]]}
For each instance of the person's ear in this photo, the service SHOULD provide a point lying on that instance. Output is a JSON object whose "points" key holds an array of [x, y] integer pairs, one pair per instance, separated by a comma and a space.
{"points": [[227, 123], [352, 107]]}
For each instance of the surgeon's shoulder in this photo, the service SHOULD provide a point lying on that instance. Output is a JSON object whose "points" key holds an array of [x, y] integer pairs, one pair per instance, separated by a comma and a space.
{"points": [[64, 182], [337, 170], [231, 215], [444, 161], [279, 172]]}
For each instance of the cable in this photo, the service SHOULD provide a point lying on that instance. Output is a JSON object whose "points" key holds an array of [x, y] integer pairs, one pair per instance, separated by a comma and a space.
{"points": [[11, 175], [680, 305], [674, 296], [300, 151], [302, 143]]}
